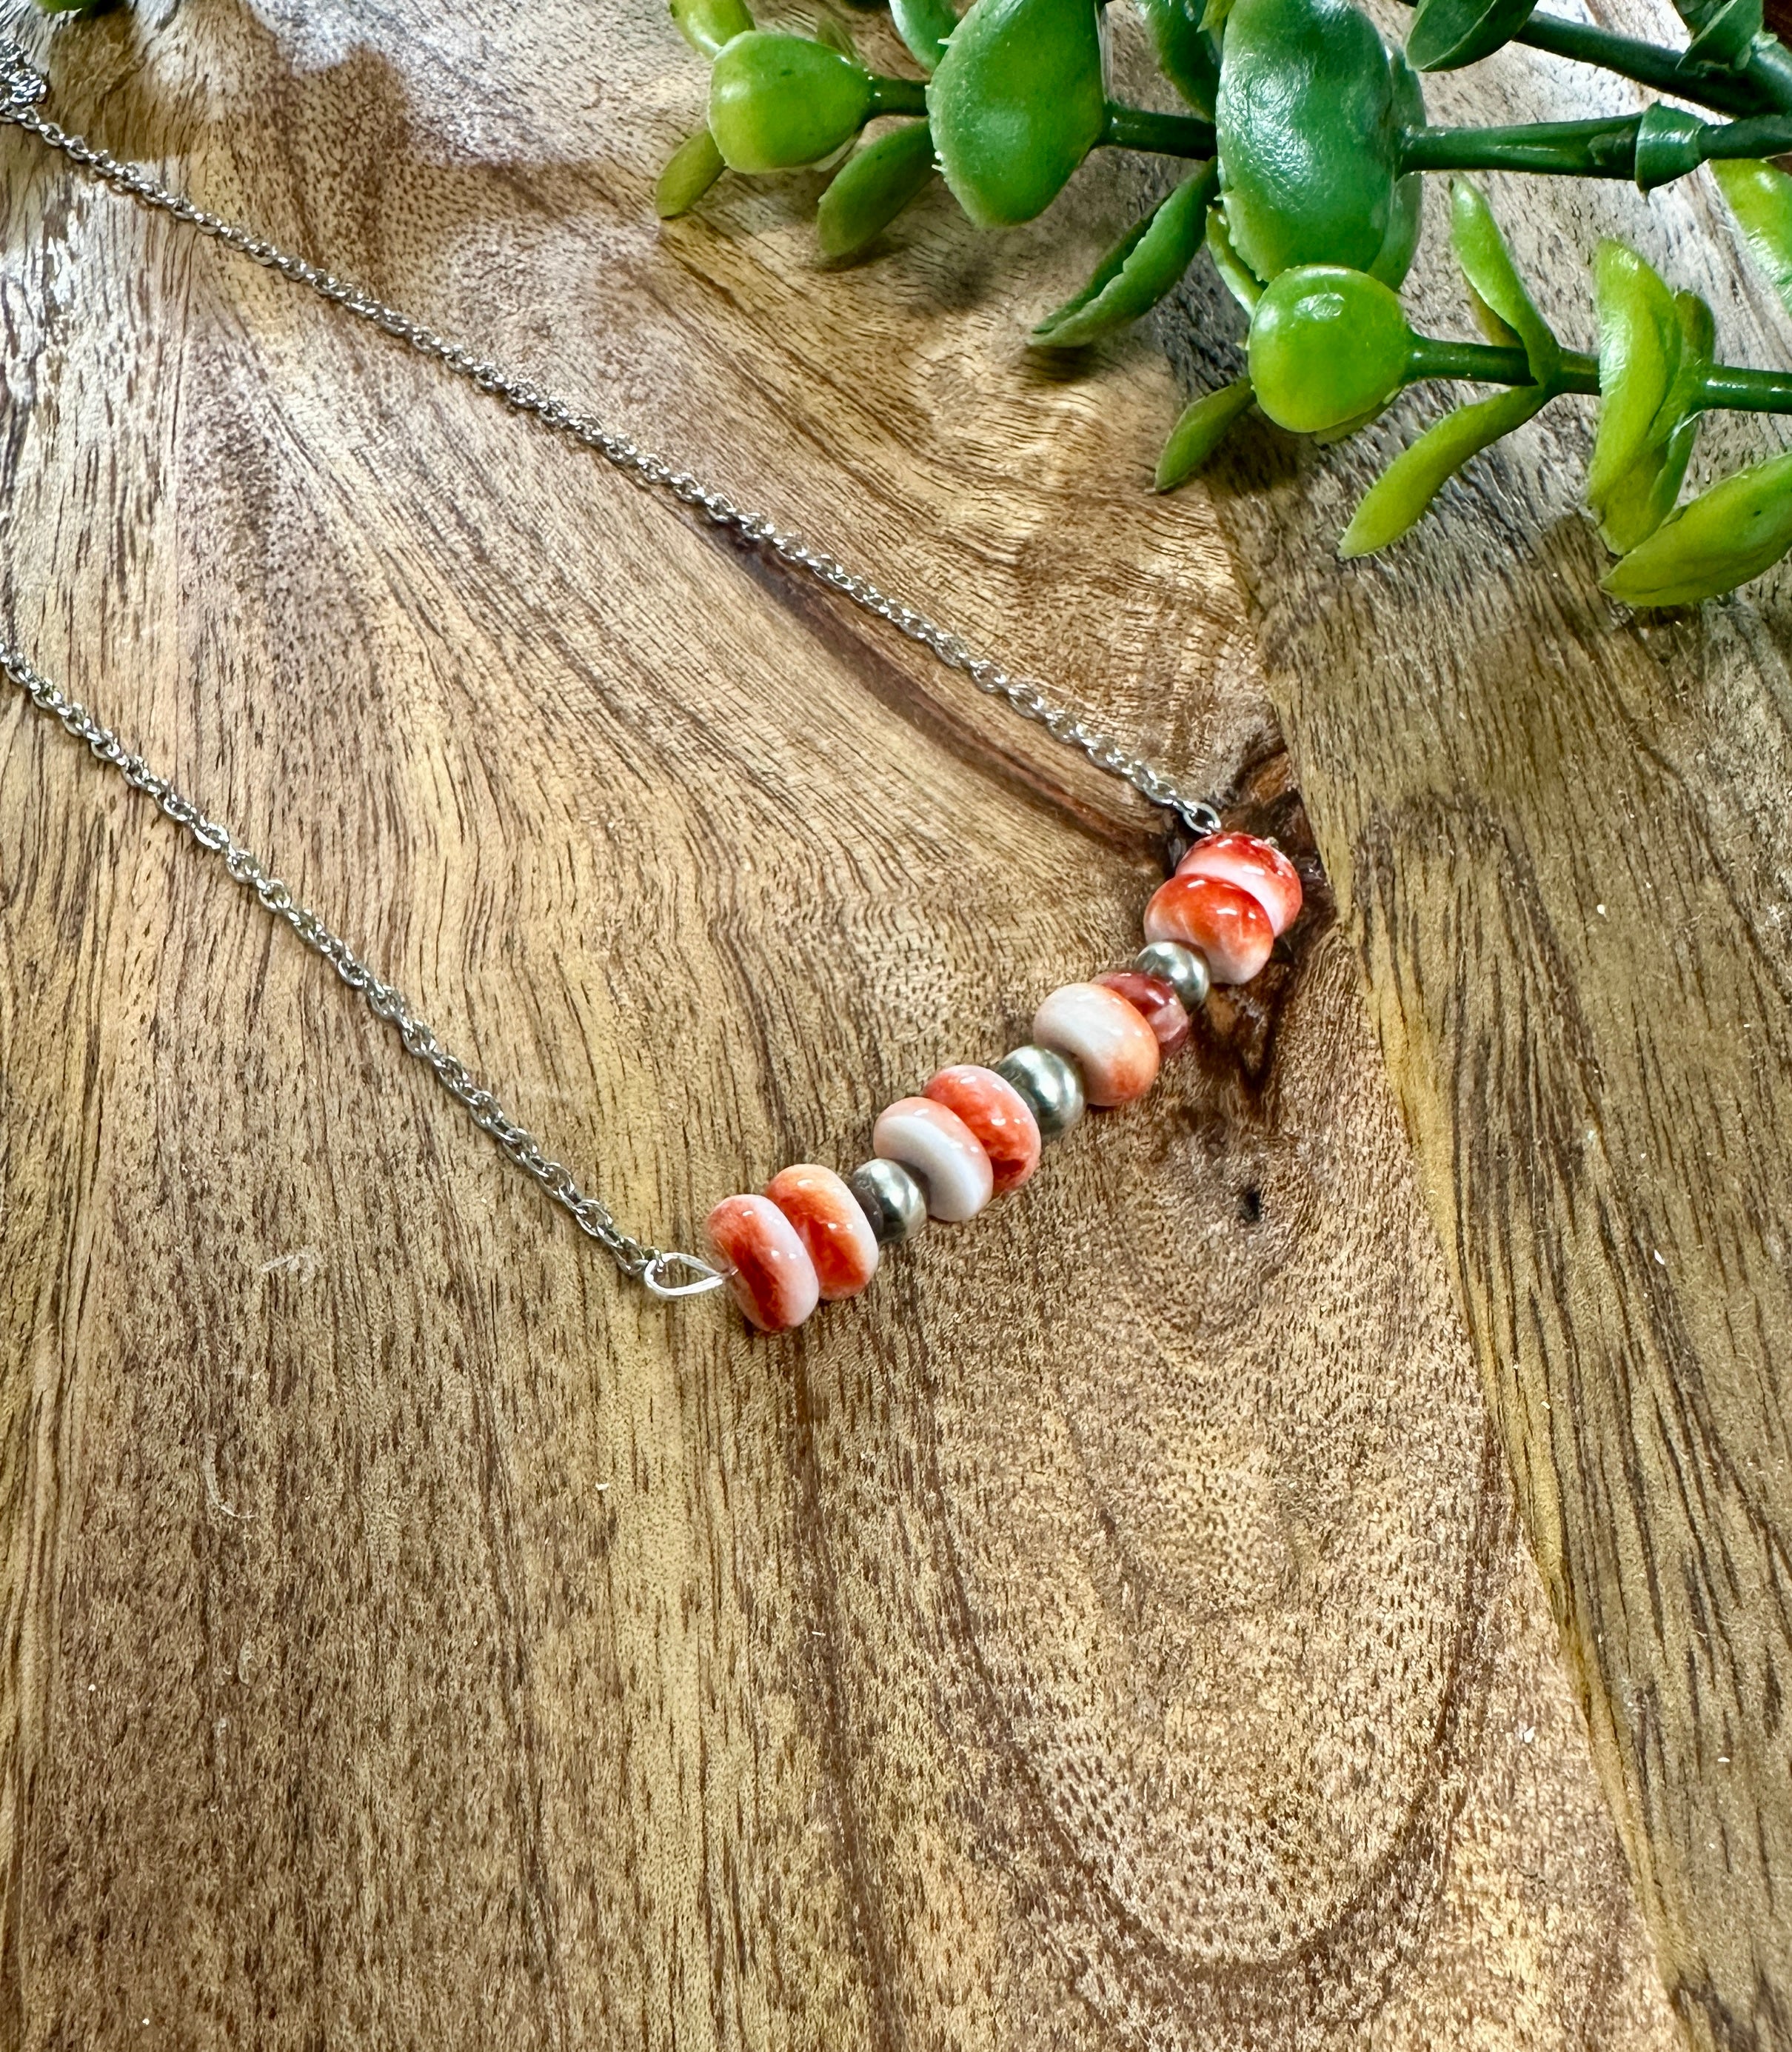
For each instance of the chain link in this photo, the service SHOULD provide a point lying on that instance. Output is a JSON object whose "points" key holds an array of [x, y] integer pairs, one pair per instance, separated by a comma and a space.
{"points": [[655, 1267], [665, 1273], [22, 87]]}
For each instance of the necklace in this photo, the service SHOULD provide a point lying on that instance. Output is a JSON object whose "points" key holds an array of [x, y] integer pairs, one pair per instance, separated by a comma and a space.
{"points": [[975, 1132]]}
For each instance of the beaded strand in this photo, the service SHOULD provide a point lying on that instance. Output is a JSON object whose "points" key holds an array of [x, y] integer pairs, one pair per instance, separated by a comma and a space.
{"points": [[976, 1134]]}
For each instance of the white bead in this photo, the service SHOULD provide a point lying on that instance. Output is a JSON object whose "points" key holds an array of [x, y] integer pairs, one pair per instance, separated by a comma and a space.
{"points": [[937, 1147]]}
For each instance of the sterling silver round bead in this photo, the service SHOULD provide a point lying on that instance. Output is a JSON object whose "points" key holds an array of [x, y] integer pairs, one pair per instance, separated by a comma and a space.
{"points": [[891, 1198], [1050, 1085], [1184, 970]]}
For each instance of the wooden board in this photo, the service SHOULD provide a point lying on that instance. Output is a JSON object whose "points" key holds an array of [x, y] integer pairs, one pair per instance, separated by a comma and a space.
{"points": [[1114, 1632], [1560, 835]]}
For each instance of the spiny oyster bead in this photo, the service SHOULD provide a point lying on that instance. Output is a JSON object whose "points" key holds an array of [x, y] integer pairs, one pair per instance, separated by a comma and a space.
{"points": [[1156, 1002], [1185, 971], [1108, 1041], [998, 1115], [1050, 1084], [894, 1203], [1227, 924], [941, 1151], [830, 1223], [768, 1268], [1253, 866]]}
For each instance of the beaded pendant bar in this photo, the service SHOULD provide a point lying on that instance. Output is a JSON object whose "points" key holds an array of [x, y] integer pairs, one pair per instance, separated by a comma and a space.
{"points": [[976, 1133]]}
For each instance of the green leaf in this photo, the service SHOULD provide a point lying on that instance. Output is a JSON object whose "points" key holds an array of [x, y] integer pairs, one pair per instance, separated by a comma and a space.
{"points": [[1447, 33], [872, 187], [1311, 114], [710, 26], [925, 26], [693, 167], [1016, 104], [1328, 348], [1729, 35], [1760, 197], [1644, 495], [1145, 264], [778, 101], [1403, 492], [1640, 337], [1235, 274], [1728, 534], [1203, 425], [1187, 50], [1486, 262]]}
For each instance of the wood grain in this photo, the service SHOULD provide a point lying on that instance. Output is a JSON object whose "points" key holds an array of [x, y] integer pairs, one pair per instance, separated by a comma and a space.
{"points": [[1559, 835], [1114, 1633]]}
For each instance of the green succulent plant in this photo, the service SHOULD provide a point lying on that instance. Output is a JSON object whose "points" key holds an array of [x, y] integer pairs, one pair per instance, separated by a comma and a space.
{"points": [[1306, 149]]}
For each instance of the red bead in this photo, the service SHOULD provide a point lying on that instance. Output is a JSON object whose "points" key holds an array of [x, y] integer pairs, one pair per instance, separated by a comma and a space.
{"points": [[998, 1115], [831, 1223], [1227, 924], [1155, 1001], [1253, 866], [768, 1268]]}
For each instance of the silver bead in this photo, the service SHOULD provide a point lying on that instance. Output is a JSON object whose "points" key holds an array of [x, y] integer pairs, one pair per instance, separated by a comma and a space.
{"points": [[892, 1198], [1183, 969], [1050, 1085]]}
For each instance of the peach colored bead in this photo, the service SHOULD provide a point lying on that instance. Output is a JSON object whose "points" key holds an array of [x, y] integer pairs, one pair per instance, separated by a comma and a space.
{"points": [[1227, 924], [1155, 1001], [940, 1148], [998, 1115], [1253, 865], [831, 1224], [1107, 1039], [768, 1268]]}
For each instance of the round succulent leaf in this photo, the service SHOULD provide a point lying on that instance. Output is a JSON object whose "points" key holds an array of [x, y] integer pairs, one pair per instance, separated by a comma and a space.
{"points": [[710, 26], [925, 26], [1309, 135], [872, 187], [693, 167], [1202, 426], [1327, 346], [1147, 262], [1400, 244], [778, 101], [1017, 103], [1740, 527], [1447, 33], [1187, 49]]}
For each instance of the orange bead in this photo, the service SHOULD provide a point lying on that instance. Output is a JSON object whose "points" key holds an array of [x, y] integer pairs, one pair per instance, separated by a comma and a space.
{"points": [[768, 1268], [831, 1223], [1227, 924], [1155, 1001], [1254, 866], [998, 1115], [1111, 1043]]}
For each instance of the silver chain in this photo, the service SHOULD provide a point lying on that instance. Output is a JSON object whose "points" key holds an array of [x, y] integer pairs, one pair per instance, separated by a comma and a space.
{"points": [[22, 87]]}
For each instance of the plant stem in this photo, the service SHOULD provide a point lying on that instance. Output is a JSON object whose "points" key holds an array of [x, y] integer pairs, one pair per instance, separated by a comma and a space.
{"points": [[1648, 64], [1574, 149], [1726, 385], [1168, 135], [897, 95], [1487, 364], [1743, 391]]}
